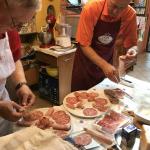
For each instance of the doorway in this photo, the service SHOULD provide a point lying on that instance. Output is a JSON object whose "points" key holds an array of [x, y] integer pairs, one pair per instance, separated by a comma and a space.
{"points": [[148, 42]]}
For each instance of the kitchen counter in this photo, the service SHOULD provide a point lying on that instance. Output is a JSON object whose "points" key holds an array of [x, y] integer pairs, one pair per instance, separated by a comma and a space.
{"points": [[53, 52]]}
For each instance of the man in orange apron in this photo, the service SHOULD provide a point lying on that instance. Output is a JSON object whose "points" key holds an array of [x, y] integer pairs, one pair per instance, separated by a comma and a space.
{"points": [[101, 21], [12, 16]]}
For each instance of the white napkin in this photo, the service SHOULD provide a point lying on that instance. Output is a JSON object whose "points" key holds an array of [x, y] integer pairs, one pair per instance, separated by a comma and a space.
{"points": [[33, 138]]}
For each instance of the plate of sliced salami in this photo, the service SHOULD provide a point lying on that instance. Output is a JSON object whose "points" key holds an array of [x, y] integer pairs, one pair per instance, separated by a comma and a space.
{"points": [[53, 118], [87, 104]]}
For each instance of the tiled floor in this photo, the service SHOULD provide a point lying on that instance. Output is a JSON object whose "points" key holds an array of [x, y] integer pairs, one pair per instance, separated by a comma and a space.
{"points": [[142, 68], [141, 71]]}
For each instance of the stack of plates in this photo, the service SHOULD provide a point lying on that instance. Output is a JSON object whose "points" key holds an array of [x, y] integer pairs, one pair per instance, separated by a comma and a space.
{"points": [[62, 49]]}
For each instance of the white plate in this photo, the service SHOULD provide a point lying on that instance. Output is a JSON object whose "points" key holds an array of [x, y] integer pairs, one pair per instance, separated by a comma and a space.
{"points": [[79, 112]]}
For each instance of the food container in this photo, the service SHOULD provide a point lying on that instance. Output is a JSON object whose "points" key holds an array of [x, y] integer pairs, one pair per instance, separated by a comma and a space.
{"points": [[112, 122]]}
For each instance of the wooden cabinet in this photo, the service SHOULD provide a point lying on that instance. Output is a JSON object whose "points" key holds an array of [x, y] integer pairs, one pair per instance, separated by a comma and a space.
{"points": [[64, 63]]}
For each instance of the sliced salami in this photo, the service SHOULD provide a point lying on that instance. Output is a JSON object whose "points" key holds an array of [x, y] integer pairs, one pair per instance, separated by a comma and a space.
{"points": [[101, 101], [65, 119], [49, 112], [44, 123], [58, 114], [90, 112], [71, 106], [83, 139], [71, 100], [32, 116], [93, 94], [81, 95], [103, 108]]}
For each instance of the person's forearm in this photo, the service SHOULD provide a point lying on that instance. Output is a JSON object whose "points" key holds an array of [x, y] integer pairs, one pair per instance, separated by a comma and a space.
{"points": [[93, 56], [18, 75]]}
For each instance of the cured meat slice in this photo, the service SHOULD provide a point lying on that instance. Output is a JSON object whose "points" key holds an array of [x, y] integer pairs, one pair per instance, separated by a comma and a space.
{"points": [[71, 100], [58, 114], [32, 116], [44, 123], [114, 95], [61, 133], [92, 94], [90, 112], [83, 139], [101, 101], [110, 94], [118, 93], [65, 119], [61, 117], [111, 121], [103, 108], [81, 95], [71, 106], [64, 127], [76, 94], [80, 105], [100, 104], [49, 112], [117, 116]]}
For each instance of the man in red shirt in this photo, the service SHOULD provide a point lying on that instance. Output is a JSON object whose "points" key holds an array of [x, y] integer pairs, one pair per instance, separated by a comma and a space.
{"points": [[101, 21], [13, 14]]}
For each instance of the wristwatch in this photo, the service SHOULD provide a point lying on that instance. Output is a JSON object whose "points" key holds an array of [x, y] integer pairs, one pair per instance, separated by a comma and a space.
{"points": [[19, 85]]}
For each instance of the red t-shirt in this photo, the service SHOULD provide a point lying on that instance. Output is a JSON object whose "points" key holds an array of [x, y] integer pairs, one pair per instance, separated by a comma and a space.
{"points": [[14, 42]]}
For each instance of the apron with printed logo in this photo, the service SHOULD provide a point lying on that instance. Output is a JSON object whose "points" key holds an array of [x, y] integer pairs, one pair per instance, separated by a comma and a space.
{"points": [[85, 73], [7, 66]]}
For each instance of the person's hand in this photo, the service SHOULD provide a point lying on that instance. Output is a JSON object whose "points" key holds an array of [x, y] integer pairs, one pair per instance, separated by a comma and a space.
{"points": [[111, 72], [130, 55], [10, 110], [25, 95]]}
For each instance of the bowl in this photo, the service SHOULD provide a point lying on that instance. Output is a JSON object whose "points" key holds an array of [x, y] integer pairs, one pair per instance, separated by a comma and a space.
{"points": [[53, 72], [45, 37]]}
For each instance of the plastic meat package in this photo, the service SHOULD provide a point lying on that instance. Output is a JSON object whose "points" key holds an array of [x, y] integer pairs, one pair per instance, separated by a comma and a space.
{"points": [[112, 122]]}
